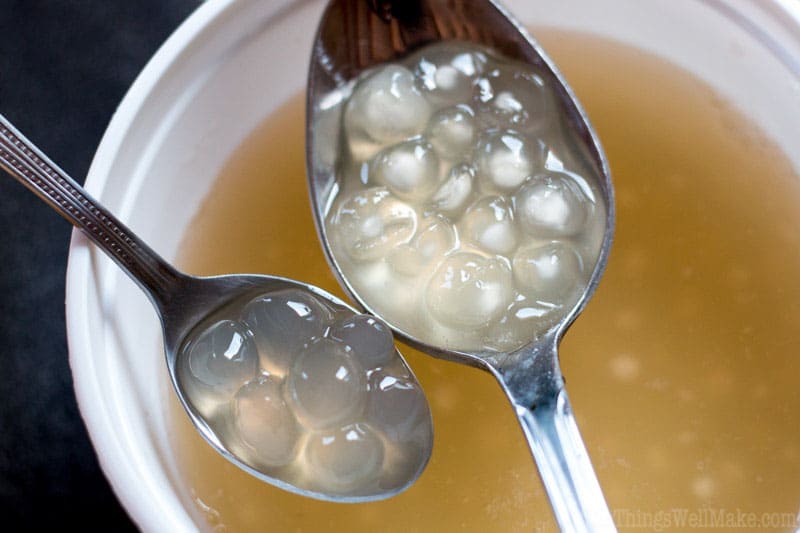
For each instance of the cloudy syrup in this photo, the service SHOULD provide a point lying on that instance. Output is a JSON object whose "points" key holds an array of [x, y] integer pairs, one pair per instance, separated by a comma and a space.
{"points": [[682, 370]]}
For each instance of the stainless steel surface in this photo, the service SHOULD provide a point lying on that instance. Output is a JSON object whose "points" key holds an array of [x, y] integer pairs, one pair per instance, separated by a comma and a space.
{"points": [[355, 35], [182, 301]]}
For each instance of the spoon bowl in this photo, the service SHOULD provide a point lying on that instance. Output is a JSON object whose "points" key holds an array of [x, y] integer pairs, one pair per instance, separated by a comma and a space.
{"points": [[377, 32], [186, 304]]}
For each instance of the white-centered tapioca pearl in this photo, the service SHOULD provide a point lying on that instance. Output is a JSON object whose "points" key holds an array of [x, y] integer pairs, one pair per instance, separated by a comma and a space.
{"points": [[369, 339], [510, 97], [410, 170], [434, 239], [489, 225], [283, 322], [547, 272], [445, 76], [345, 459], [452, 196], [551, 205], [221, 358], [469, 290], [387, 107], [452, 132], [372, 222], [504, 159], [326, 385], [397, 406], [264, 422]]}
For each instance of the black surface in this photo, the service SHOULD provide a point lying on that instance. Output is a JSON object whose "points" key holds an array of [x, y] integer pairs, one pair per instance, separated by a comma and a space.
{"points": [[64, 67]]}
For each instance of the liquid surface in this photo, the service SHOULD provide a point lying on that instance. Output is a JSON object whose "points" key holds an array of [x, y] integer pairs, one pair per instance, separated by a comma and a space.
{"points": [[308, 393], [465, 215], [682, 370]]}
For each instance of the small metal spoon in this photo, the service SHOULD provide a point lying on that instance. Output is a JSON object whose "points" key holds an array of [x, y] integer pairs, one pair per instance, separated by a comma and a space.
{"points": [[182, 301], [355, 35]]}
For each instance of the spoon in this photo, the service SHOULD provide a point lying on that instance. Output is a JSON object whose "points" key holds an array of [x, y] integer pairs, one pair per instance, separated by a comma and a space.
{"points": [[355, 35], [187, 304]]}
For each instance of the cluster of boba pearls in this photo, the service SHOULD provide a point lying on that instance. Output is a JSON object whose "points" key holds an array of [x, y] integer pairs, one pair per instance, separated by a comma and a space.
{"points": [[314, 396], [465, 216]]}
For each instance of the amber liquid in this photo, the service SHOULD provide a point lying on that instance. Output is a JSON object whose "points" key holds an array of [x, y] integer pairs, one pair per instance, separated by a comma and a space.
{"points": [[683, 370]]}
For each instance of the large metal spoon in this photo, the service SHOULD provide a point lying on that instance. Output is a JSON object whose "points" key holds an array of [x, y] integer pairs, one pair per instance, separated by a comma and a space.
{"points": [[185, 302], [355, 35]]}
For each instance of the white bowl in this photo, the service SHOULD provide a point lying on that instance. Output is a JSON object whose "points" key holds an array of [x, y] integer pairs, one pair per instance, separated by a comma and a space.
{"points": [[227, 68]]}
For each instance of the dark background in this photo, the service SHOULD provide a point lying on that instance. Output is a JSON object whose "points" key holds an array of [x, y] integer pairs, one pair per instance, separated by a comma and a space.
{"points": [[64, 67]]}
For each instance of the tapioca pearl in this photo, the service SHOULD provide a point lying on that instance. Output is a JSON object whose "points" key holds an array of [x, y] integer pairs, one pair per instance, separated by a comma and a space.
{"points": [[488, 224], [265, 423], [396, 406], [410, 170], [369, 339], [508, 96], [505, 159], [547, 272], [386, 107], [455, 192], [551, 205], [326, 385], [452, 132], [519, 322], [469, 290], [283, 323], [345, 459], [372, 222], [435, 238], [445, 75]]}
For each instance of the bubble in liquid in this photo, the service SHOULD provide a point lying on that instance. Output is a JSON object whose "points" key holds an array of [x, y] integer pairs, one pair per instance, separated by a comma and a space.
{"points": [[489, 225], [264, 422], [410, 170], [469, 290], [345, 459], [220, 360], [445, 75], [386, 107], [396, 406], [283, 323], [504, 159], [452, 132], [372, 222], [369, 338], [551, 205], [511, 96], [326, 385], [548, 272], [452, 196]]}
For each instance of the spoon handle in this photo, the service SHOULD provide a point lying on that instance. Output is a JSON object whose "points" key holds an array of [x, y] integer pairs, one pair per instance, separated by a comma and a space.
{"points": [[564, 466], [25, 162]]}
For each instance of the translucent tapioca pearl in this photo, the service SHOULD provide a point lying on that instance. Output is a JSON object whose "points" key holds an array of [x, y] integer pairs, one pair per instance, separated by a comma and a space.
{"points": [[386, 107], [283, 323], [508, 96], [410, 170], [372, 222], [345, 459], [454, 193], [547, 272], [551, 205], [264, 422], [469, 290], [445, 75], [369, 339], [397, 407], [488, 224], [452, 132], [434, 239], [326, 385], [220, 360], [505, 159], [519, 322]]}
